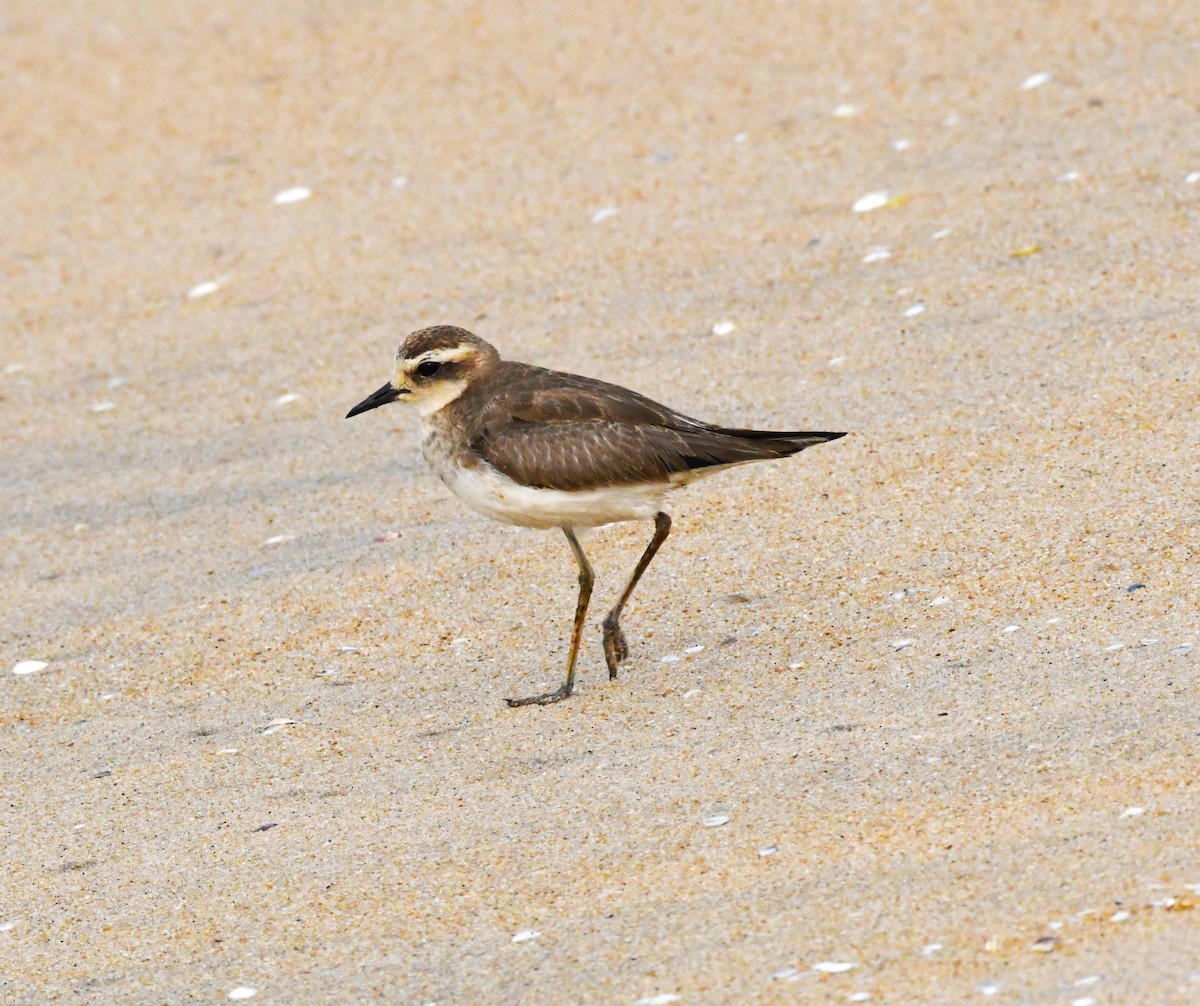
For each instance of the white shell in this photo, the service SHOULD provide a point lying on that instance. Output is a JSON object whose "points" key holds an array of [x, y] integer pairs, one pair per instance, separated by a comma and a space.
{"points": [[871, 201], [296, 194], [205, 288], [30, 667]]}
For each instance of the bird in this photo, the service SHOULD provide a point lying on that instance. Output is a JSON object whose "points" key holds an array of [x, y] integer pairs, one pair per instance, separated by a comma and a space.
{"points": [[541, 448]]}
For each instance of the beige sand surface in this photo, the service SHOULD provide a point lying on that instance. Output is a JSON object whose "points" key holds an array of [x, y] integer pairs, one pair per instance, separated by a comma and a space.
{"points": [[1025, 448]]}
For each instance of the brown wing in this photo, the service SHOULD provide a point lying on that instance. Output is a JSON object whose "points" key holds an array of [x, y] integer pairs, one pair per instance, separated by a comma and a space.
{"points": [[562, 431]]}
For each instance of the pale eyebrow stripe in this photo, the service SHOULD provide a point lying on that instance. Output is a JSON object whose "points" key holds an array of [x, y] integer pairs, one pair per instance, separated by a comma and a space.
{"points": [[451, 355]]}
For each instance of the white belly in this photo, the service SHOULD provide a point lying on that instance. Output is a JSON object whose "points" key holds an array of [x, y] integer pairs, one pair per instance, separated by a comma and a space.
{"points": [[495, 495]]}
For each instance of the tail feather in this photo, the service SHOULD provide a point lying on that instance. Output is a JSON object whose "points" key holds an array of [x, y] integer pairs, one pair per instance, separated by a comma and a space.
{"points": [[719, 447]]}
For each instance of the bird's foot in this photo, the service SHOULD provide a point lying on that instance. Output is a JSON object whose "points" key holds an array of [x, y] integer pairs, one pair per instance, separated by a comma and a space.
{"points": [[616, 649], [545, 699]]}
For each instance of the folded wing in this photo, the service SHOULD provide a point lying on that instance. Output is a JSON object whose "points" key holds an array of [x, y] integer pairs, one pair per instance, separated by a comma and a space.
{"points": [[582, 434]]}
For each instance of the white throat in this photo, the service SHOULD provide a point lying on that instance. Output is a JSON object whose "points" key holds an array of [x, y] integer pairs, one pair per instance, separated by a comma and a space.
{"points": [[436, 399]]}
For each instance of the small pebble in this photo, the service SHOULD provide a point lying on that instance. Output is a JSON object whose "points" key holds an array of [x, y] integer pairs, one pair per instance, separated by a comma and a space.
{"points": [[945, 232], [694, 649], [716, 820], [204, 289], [937, 602], [1148, 642], [783, 973], [275, 726], [871, 201], [1026, 251], [1134, 586], [104, 406], [723, 328], [400, 182], [768, 850], [1182, 648], [989, 988], [228, 751], [1045, 944], [670, 658], [1133, 811], [691, 693], [847, 111], [1035, 80], [287, 399], [877, 254], [837, 361], [1081, 983], [659, 1000], [266, 827], [913, 311], [1193, 178], [296, 194], [1121, 916], [29, 666], [275, 539], [387, 536], [902, 644], [243, 992], [1053, 621], [1010, 628], [860, 997], [525, 935], [6, 926], [603, 214], [740, 137], [1083, 1001], [833, 967], [1114, 646], [930, 949], [1070, 176], [901, 145]]}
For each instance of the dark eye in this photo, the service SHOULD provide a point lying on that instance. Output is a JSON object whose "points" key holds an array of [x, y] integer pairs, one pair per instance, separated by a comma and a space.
{"points": [[428, 368]]}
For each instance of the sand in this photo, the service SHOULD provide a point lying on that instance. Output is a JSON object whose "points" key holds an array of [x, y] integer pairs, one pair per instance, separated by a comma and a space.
{"points": [[936, 674]]}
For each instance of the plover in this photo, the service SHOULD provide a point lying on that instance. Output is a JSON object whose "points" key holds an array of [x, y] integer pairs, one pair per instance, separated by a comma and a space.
{"points": [[544, 449]]}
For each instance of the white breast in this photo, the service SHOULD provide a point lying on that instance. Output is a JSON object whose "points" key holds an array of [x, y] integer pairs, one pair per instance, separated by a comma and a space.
{"points": [[495, 495]]}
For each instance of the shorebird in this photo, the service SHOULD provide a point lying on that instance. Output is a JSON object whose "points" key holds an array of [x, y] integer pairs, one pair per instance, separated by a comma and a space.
{"points": [[544, 449]]}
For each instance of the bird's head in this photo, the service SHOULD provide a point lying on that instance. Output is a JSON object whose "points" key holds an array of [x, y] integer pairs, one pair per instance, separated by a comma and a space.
{"points": [[433, 367]]}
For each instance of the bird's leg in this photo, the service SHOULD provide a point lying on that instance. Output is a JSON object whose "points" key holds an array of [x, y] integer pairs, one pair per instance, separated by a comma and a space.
{"points": [[615, 647], [586, 579]]}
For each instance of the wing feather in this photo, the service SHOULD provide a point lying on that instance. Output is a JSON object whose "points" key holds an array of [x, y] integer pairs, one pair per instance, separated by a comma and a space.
{"points": [[562, 431]]}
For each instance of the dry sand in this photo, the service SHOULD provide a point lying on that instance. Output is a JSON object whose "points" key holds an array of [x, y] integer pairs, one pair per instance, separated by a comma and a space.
{"points": [[1025, 448]]}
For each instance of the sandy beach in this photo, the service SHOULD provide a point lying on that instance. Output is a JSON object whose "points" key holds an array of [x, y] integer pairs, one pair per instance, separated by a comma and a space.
{"points": [[909, 718]]}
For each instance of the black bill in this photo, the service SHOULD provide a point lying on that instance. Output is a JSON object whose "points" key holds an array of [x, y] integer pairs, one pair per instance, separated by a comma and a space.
{"points": [[381, 397]]}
